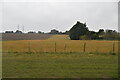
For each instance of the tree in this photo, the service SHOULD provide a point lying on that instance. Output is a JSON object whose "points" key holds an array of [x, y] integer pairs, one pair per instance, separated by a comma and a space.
{"points": [[100, 32], [31, 32], [111, 35], [9, 32], [78, 30], [17, 31], [54, 31], [92, 35], [39, 32]]}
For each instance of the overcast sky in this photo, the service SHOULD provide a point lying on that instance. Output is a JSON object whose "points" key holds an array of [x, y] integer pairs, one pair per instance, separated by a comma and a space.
{"points": [[44, 16]]}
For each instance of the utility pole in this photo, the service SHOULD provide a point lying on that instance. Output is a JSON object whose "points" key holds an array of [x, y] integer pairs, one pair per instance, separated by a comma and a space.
{"points": [[18, 27], [23, 28]]}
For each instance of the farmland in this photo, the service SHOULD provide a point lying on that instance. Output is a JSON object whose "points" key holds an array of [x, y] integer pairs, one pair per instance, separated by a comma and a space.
{"points": [[59, 57], [18, 36], [60, 43]]}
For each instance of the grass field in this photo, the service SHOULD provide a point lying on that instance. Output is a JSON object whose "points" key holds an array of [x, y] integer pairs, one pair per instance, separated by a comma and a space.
{"points": [[56, 65], [59, 57]]}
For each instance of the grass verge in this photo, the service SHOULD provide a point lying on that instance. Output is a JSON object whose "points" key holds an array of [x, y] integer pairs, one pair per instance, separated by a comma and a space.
{"points": [[60, 65]]}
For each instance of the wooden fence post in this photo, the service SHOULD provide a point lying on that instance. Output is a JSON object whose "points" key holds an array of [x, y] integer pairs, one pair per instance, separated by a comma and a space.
{"points": [[11, 50], [55, 46], [113, 47], [65, 48], [29, 48], [85, 47]]}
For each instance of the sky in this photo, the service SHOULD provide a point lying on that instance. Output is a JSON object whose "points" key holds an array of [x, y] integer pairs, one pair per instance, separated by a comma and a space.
{"points": [[44, 16]]}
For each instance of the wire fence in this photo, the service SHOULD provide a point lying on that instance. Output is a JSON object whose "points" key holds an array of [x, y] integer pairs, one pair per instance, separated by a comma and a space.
{"points": [[54, 46]]}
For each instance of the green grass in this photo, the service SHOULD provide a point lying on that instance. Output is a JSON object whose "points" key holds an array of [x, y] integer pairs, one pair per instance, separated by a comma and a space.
{"points": [[60, 65]]}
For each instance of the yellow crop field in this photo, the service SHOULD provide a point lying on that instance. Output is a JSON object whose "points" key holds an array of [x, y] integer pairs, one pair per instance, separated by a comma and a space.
{"points": [[60, 43], [60, 57]]}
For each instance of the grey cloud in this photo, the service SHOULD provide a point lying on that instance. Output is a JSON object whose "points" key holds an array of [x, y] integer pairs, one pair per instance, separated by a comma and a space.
{"points": [[60, 15]]}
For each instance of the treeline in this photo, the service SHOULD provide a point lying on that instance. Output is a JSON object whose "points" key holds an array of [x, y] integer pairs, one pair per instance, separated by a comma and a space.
{"points": [[80, 32], [53, 31]]}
